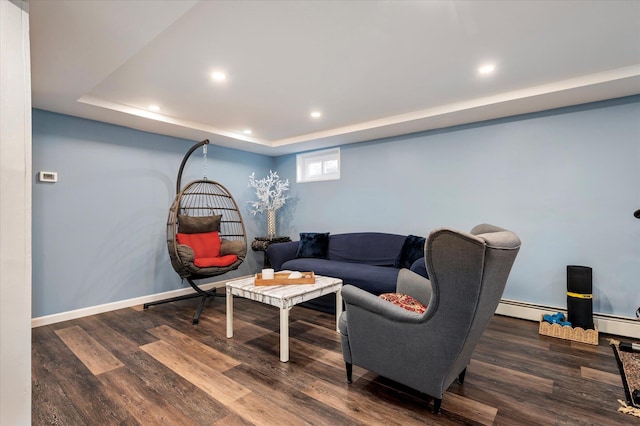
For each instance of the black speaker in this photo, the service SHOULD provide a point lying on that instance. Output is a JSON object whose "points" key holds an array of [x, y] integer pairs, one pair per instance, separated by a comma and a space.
{"points": [[580, 296]]}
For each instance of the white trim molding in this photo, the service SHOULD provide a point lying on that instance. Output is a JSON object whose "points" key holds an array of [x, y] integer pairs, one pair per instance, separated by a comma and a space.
{"points": [[609, 324], [15, 214], [108, 307]]}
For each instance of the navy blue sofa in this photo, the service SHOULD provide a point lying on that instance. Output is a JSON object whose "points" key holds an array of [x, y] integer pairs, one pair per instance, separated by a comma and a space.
{"points": [[368, 260]]}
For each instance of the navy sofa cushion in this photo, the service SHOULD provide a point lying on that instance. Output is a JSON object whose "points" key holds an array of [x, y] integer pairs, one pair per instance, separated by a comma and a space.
{"points": [[370, 248], [374, 279], [412, 249], [313, 244], [420, 267]]}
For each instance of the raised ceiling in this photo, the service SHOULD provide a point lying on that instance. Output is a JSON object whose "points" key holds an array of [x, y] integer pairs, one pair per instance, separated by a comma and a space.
{"points": [[372, 68]]}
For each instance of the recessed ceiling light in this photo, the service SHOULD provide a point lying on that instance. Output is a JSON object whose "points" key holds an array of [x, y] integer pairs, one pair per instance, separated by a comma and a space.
{"points": [[154, 108], [218, 76], [247, 131], [316, 114], [487, 69]]}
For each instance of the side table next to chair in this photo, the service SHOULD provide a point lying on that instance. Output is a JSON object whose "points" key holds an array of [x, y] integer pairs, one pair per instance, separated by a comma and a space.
{"points": [[263, 243]]}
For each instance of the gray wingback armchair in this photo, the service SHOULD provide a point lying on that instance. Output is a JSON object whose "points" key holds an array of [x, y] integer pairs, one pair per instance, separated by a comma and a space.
{"points": [[427, 352]]}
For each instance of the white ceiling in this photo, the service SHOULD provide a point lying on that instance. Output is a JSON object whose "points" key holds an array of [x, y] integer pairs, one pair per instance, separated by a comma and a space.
{"points": [[374, 68]]}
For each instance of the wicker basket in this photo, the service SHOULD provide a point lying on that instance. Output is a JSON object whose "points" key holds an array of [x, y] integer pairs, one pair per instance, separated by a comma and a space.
{"points": [[566, 332]]}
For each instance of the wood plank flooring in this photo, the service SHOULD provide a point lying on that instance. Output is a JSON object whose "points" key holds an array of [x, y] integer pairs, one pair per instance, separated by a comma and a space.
{"points": [[152, 367]]}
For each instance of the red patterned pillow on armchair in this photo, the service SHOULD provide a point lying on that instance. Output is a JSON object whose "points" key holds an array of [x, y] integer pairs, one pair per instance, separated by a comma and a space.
{"points": [[404, 301]]}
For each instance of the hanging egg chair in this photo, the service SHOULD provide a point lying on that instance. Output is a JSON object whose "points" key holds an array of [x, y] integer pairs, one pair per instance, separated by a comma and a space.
{"points": [[205, 233]]}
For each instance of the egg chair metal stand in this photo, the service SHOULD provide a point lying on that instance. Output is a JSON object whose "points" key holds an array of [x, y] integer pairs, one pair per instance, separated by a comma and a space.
{"points": [[201, 209]]}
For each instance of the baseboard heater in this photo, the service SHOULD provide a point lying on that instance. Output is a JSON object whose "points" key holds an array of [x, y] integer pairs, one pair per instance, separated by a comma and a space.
{"points": [[605, 323]]}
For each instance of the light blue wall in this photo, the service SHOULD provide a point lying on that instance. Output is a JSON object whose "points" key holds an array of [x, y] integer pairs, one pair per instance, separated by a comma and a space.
{"points": [[99, 233], [567, 181]]}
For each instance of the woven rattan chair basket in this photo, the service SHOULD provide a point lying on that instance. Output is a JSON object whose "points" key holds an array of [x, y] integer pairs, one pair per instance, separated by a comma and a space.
{"points": [[202, 198]]}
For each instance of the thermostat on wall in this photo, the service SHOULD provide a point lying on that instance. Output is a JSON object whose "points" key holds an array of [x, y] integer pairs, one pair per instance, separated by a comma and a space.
{"points": [[48, 177]]}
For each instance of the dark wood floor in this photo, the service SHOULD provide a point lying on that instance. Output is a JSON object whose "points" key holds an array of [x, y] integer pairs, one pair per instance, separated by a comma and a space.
{"points": [[152, 367]]}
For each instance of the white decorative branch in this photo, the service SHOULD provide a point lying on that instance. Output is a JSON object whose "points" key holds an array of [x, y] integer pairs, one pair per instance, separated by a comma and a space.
{"points": [[270, 192]]}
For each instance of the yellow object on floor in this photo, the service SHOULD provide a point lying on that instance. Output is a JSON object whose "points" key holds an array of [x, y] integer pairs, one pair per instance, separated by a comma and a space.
{"points": [[628, 409]]}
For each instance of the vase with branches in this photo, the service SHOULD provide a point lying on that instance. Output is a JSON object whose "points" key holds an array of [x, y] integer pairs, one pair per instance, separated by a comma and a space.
{"points": [[271, 195]]}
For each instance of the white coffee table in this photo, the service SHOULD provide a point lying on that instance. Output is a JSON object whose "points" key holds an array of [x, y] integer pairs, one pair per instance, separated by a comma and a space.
{"points": [[283, 297]]}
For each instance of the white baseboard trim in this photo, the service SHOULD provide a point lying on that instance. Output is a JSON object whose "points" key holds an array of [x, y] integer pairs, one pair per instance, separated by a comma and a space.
{"points": [[620, 326], [609, 324], [107, 307]]}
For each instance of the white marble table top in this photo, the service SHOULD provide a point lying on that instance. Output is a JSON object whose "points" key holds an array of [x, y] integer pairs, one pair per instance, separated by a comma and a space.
{"points": [[283, 296]]}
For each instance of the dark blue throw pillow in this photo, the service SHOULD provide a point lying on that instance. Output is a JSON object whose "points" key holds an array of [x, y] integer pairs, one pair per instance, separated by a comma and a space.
{"points": [[313, 244], [412, 250]]}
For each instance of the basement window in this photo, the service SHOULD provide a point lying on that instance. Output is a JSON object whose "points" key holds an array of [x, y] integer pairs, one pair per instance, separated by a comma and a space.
{"points": [[318, 165]]}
